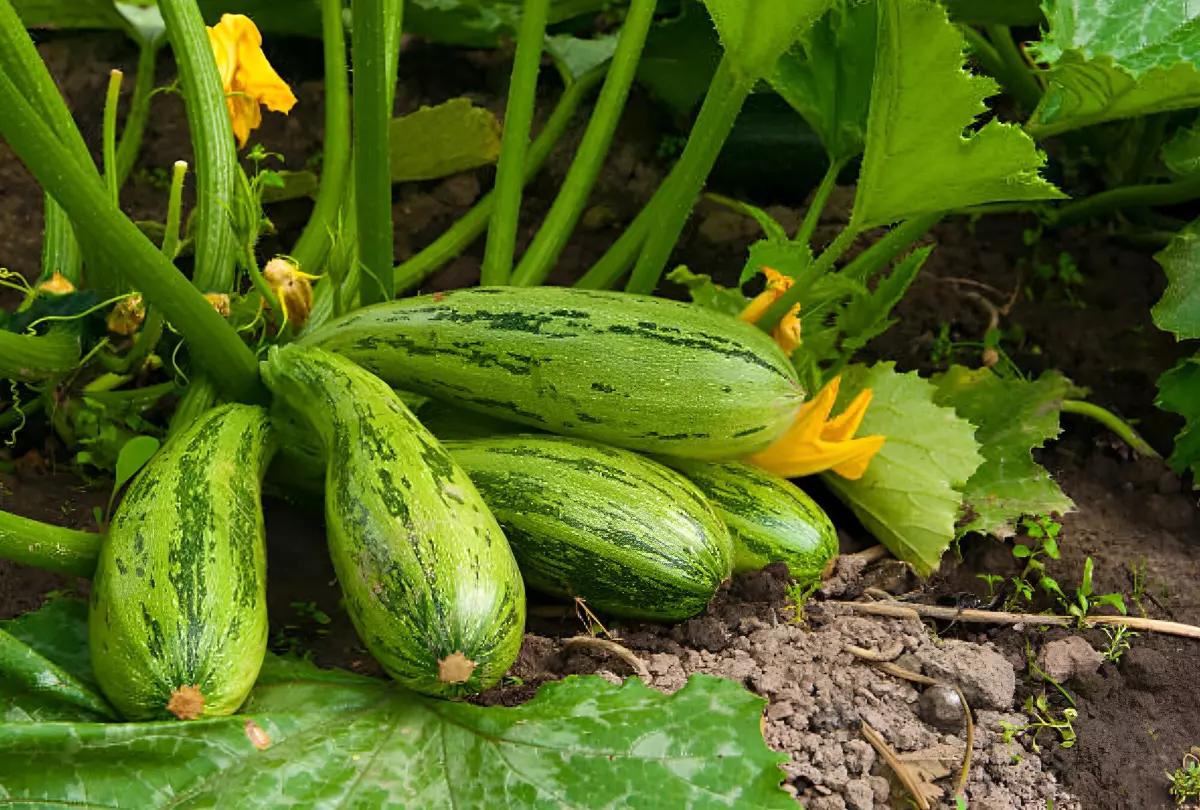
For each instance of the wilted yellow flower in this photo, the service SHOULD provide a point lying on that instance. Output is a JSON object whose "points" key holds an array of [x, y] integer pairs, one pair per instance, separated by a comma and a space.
{"points": [[787, 332], [220, 302], [57, 284], [127, 316], [292, 288], [815, 443], [247, 76]]}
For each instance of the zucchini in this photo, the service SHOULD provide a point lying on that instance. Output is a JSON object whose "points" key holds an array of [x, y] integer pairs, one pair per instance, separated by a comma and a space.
{"points": [[177, 621], [623, 533], [430, 582], [631, 371], [770, 518]]}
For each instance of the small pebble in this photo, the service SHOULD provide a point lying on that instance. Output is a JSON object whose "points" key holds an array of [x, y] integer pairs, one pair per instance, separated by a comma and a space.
{"points": [[941, 708]]}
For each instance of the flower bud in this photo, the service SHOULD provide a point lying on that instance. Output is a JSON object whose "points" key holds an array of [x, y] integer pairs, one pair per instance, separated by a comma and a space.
{"points": [[57, 284], [127, 316], [292, 288]]}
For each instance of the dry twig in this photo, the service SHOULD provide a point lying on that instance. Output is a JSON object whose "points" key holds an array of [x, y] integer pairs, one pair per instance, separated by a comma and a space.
{"points": [[635, 663], [889, 756]]}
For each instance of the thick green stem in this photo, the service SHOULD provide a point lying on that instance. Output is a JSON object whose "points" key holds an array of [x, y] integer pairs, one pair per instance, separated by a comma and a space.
{"points": [[111, 179], [879, 255], [312, 247], [722, 103], [1180, 191], [1113, 422], [813, 216], [514, 143], [1017, 76], [25, 68], [51, 548], [212, 342], [823, 265], [568, 207], [373, 87], [982, 50], [28, 358], [139, 110], [472, 224], [212, 143]]}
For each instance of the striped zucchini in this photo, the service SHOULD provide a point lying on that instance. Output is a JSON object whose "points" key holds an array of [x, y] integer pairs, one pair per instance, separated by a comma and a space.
{"points": [[770, 518], [430, 582], [178, 616], [617, 530], [631, 371]]}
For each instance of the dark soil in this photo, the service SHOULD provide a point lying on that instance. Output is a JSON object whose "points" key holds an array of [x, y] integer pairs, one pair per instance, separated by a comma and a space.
{"points": [[1136, 719]]}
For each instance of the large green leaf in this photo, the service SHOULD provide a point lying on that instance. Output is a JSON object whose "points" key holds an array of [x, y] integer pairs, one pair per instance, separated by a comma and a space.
{"points": [[917, 159], [755, 33], [69, 14], [439, 141], [680, 58], [1181, 154], [827, 77], [1178, 310], [995, 12], [909, 497], [323, 739], [1116, 59], [1179, 392], [1012, 416]]}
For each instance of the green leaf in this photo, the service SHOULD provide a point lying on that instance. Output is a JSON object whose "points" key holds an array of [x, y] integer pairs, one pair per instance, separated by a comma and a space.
{"points": [[827, 77], [1013, 417], [327, 738], [575, 57], [995, 12], [917, 159], [1179, 392], [291, 186], [755, 33], [1181, 154], [707, 294], [1116, 59], [680, 57], [440, 141], [69, 14], [866, 316], [133, 456], [909, 496], [1178, 310]]}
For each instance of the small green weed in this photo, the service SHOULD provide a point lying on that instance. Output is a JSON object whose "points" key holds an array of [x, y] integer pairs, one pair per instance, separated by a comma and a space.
{"points": [[1085, 598], [1042, 719], [799, 595], [1118, 641], [310, 612], [1185, 782], [1137, 575], [1043, 533]]}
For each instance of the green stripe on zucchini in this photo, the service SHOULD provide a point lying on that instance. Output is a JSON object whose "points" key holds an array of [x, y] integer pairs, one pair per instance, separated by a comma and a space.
{"points": [[770, 518], [623, 533], [430, 582], [632, 371], [178, 617]]}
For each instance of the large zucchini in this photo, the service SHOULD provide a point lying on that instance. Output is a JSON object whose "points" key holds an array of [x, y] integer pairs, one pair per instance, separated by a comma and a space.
{"points": [[632, 371], [621, 532], [429, 580], [178, 616], [770, 518]]}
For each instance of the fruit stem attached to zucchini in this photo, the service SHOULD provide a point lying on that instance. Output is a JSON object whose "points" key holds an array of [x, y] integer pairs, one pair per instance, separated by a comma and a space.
{"points": [[51, 548]]}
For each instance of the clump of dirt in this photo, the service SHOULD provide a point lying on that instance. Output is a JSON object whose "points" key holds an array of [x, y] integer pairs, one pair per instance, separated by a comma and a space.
{"points": [[820, 696]]}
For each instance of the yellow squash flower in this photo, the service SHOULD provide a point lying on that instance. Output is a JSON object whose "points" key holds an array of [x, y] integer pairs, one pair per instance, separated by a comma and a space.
{"points": [[815, 443], [787, 332], [247, 76], [127, 316]]}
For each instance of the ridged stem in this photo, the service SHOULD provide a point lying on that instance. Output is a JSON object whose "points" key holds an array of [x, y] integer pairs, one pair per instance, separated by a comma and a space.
{"points": [[313, 245], [879, 255], [213, 343], [1113, 422], [51, 548], [568, 206], [1114, 199], [111, 180], [25, 68], [139, 110], [722, 103], [212, 143], [1017, 77], [813, 215], [28, 358], [514, 143], [823, 265], [471, 225], [374, 20]]}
